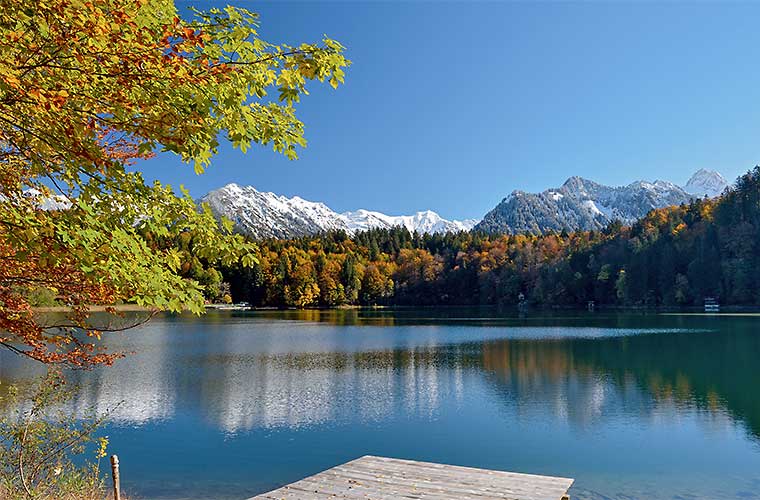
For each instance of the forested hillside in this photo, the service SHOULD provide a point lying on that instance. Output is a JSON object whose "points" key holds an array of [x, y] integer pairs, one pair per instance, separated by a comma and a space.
{"points": [[673, 256]]}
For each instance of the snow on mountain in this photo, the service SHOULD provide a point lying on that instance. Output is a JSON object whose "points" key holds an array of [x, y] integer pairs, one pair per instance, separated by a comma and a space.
{"points": [[706, 183], [422, 222], [362, 220], [45, 202], [267, 215], [581, 204]]}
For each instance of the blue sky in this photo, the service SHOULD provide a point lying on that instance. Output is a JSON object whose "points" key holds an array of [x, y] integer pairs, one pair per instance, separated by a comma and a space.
{"points": [[451, 106]]}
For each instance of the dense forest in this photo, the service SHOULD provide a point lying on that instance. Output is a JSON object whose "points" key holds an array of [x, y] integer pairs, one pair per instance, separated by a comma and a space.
{"points": [[675, 256]]}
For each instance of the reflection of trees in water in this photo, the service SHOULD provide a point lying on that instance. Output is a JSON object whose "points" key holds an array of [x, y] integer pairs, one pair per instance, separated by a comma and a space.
{"points": [[239, 385], [141, 386], [300, 389], [243, 392], [16, 371], [585, 378], [349, 316], [542, 378], [714, 371]]}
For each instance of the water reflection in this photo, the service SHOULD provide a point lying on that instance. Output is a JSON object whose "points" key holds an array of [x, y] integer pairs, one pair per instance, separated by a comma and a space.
{"points": [[598, 387], [309, 389], [142, 388], [243, 375], [575, 380]]}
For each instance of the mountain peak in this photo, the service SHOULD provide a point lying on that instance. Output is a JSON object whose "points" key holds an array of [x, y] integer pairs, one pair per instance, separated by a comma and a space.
{"points": [[232, 186], [706, 183], [425, 221], [580, 204], [576, 183], [427, 213]]}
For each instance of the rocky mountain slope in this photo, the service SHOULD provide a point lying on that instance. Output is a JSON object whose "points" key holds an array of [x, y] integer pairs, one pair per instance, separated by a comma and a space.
{"points": [[581, 204], [267, 215]]}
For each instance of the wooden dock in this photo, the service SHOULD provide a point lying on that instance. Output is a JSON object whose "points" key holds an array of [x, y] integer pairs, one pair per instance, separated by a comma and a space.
{"points": [[378, 478]]}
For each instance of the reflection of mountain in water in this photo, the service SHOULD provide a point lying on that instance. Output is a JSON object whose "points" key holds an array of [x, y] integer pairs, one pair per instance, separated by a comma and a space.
{"points": [[304, 389], [142, 387], [241, 380]]}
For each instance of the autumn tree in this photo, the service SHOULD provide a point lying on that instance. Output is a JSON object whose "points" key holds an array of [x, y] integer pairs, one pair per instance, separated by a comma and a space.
{"points": [[673, 256], [377, 284], [87, 88]]}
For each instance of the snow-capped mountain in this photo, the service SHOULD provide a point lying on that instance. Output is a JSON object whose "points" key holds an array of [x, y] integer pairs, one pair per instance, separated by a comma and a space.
{"points": [[422, 222], [47, 202], [706, 183], [267, 215], [581, 204]]}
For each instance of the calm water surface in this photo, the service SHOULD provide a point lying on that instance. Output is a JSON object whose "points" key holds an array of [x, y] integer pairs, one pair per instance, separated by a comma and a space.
{"points": [[234, 404]]}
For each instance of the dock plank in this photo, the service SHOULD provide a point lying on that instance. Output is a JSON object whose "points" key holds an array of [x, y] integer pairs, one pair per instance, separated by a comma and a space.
{"points": [[380, 478]]}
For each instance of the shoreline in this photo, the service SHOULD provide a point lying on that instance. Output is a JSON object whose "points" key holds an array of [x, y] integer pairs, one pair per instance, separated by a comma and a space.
{"points": [[690, 310], [118, 308]]}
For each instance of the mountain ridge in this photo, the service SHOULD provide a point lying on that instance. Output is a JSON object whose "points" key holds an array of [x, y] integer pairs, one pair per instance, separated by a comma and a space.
{"points": [[268, 215], [583, 204], [578, 204]]}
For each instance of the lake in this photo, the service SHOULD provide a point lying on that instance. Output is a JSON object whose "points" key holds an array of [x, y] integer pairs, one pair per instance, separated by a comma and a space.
{"points": [[633, 406]]}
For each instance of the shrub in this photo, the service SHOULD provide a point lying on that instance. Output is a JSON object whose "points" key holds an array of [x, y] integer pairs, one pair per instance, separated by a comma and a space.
{"points": [[43, 447]]}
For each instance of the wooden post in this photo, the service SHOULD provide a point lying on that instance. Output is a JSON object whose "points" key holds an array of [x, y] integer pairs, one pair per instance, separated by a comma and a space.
{"points": [[115, 474]]}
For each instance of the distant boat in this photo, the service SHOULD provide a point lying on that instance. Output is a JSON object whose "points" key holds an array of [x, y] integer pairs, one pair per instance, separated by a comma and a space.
{"points": [[711, 305]]}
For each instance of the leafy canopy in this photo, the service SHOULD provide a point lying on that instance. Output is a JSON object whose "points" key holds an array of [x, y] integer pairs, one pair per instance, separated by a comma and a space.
{"points": [[86, 89]]}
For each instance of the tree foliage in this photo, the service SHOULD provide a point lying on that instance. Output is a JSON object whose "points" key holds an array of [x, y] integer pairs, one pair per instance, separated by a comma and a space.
{"points": [[86, 89]]}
